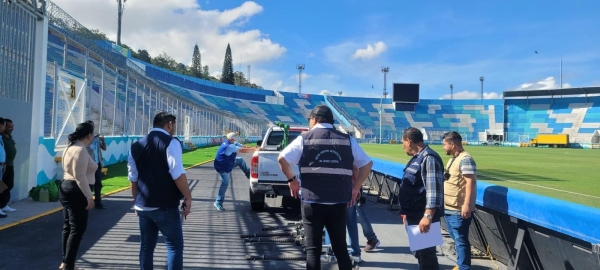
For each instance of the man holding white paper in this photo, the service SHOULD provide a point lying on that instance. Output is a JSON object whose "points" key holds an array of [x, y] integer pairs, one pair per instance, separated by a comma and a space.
{"points": [[422, 196]]}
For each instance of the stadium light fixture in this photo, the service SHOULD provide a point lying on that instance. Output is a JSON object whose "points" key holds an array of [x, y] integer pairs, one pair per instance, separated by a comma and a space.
{"points": [[300, 68], [385, 70], [121, 7], [481, 80]]}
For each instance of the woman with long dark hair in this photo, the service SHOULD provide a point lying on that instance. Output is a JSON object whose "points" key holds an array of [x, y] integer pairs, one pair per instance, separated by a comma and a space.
{"points": [[74, 192]]}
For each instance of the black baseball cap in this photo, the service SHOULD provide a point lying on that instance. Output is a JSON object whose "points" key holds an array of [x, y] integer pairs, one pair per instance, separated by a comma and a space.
{"points": [[322, 112]]}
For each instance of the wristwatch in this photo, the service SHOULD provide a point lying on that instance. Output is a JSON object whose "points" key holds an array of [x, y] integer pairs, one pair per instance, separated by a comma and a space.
{"points": [[428, 216], [291, 179]]}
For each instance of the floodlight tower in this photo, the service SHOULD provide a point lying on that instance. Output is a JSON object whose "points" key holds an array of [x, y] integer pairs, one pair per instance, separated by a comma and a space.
{"points": [[452, 93], [385, 70], [481, 80], [300, 68], [121, 7]]}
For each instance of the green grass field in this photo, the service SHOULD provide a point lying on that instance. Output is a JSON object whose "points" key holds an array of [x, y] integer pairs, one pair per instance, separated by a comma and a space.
{"points": [[566, 174], [117, 173]]}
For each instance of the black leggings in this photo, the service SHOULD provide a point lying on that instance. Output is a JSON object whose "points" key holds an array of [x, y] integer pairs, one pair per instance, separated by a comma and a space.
{"points": [[333, 218], [75, 220]]}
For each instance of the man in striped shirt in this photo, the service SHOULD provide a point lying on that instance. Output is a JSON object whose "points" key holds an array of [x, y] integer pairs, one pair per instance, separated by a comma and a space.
{"points": [[460, 188]]}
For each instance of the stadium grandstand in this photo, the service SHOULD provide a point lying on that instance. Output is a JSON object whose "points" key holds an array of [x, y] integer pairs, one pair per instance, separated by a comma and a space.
{"points": [[55, 77]]}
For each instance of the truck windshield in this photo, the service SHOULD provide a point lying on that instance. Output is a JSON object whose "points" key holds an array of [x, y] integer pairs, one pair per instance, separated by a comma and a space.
{"points": [[276, 137]]}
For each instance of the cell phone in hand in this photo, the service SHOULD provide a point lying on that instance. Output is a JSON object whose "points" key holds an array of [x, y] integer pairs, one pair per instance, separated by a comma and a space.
{"points": [[181, 211]]}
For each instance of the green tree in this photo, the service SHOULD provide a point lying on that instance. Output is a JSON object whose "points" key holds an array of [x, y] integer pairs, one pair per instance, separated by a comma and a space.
{"points": [[93, 34], [182, 69], [196, 68], [165, 61], [239, 78], [205, 72], [144, 56], [227, 73]]}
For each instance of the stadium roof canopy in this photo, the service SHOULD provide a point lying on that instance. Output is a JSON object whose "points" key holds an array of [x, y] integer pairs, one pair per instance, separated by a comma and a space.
{"points": [[552, 92]]}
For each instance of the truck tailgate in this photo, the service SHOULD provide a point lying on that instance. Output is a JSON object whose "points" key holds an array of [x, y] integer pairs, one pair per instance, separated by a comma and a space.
{"points": [[268, 168]]}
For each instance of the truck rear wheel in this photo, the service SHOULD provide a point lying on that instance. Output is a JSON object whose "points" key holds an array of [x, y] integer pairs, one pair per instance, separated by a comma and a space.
{"points": [[257, 200]]}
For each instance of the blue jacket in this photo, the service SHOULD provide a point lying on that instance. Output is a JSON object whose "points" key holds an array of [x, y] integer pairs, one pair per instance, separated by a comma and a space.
{"points": [[224, 163]]}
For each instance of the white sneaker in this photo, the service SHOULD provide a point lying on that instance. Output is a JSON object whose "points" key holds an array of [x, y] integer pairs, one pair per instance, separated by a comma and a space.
{"points": [[8, 209], [356, 259], [2, 214]]}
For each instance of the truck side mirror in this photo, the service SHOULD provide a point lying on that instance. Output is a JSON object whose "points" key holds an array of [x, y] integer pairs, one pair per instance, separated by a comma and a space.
{"points": [[259, 142]]}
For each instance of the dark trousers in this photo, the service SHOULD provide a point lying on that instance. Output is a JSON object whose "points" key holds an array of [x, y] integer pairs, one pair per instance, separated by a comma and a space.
{"points": [[332, 217], [427, 257], [9, 179], [75, 220], [97, 187]]}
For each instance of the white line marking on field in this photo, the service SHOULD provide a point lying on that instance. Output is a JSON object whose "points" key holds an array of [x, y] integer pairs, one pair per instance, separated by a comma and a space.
{"points": [[554, 189], [512, 181]]}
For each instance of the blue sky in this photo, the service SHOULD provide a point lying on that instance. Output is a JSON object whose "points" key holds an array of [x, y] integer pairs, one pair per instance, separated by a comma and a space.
{"points": [[434, 43]]}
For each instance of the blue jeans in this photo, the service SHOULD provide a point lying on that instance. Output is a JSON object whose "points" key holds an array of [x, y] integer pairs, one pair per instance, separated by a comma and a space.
{"points": [[352, 227], [356, 214], [458, 229], [168, 222], [226, 177], [367, 229]]}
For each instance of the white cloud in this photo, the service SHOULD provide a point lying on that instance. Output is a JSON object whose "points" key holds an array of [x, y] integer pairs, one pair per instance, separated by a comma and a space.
{"points": [[545, 84], [174, 27], [371, 51], [324, 92], [466, 94]]}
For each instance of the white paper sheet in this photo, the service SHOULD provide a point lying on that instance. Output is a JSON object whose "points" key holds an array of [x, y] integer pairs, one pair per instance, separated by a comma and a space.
{"points": [[418, 240]]}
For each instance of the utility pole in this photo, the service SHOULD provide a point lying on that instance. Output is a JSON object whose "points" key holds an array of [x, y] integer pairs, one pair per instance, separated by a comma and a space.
{"points": [[385, 70], [121, 4], [300, 68]]}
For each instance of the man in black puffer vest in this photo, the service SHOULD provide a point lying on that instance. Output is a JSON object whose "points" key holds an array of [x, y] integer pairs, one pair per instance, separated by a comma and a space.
{"points": [[326, 158], [422, 191]]}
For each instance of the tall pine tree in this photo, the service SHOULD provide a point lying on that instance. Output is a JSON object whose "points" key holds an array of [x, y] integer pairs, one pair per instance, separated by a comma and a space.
{"points": [[196, 68], [227, 74]]}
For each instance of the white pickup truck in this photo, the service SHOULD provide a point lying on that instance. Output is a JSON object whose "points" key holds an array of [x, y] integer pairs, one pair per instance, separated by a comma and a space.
{"points": [[266, 178]]}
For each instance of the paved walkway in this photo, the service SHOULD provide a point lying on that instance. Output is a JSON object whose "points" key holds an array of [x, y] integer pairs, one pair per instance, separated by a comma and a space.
{"points": [[212, 238]]}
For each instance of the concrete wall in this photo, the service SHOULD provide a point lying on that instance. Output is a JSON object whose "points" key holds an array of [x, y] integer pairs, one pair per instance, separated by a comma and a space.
{"points": [[20, 113]]}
